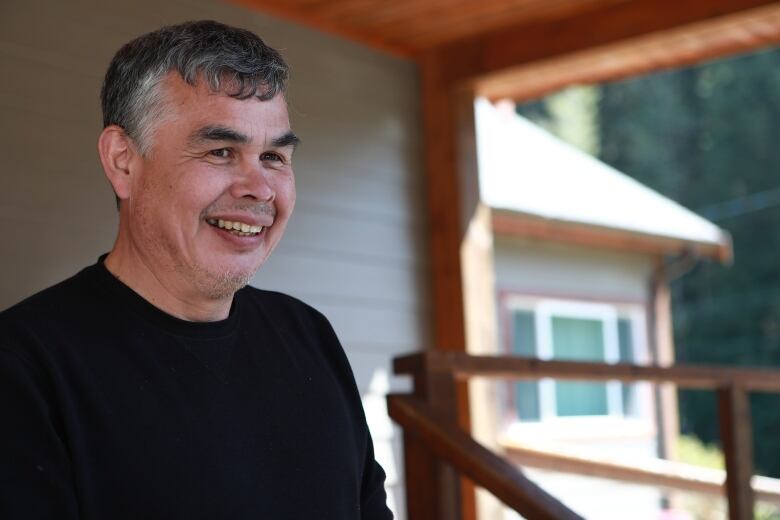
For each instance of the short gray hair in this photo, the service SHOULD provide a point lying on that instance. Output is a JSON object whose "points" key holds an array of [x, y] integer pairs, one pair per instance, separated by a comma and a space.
{"points": [[230, 60]]}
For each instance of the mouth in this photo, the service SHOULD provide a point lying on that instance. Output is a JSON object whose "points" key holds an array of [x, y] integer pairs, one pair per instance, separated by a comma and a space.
{"points": [[240, 229]]}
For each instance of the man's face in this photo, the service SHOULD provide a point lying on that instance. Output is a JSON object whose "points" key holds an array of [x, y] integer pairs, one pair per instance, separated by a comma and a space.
{"points": [[214, 192]]}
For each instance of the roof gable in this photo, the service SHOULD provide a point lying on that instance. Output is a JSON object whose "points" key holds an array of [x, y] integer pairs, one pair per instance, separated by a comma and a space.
{"points": [[527, 171]]}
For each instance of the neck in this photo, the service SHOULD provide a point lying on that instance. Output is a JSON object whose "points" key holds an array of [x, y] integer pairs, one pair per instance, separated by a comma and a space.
{"points": [[163, 287]]}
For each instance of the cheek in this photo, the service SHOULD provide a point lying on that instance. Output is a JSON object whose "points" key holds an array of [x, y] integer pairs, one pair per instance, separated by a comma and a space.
{"points": [[285, 194]]}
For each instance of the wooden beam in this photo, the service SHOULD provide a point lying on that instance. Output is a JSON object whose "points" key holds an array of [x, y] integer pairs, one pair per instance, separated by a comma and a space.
{"points": [[652, 472], [323, 24], [685, 46], [432, 489], [444, 228], [421, 478], [517, 367], [430, 480], [479, 292], [737, 444], [446, 234], [474, 58], [442, 162], [467, 18], [448, 442]]}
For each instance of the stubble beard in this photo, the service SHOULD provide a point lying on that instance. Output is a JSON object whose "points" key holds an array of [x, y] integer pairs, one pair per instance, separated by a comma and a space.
{"points": [[212, 283], [218, 285]]}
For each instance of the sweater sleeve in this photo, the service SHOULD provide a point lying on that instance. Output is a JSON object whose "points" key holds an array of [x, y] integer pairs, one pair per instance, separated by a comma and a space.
{"points": [[35, 472], [373, 499]]}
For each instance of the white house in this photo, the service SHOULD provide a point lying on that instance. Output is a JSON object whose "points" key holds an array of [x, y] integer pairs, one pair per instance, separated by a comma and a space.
{"points": [[582, 255]]}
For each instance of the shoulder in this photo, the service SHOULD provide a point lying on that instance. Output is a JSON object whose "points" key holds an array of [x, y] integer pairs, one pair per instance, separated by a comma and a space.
{"points": [[300, 324], [283, 310], [46, 312]]}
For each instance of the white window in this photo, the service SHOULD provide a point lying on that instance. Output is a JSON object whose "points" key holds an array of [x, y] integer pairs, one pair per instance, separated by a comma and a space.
{"points": [[575, 331]]}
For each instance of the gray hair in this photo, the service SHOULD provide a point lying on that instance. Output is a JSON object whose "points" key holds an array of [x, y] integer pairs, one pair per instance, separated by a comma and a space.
{"points": [[230, 60]]}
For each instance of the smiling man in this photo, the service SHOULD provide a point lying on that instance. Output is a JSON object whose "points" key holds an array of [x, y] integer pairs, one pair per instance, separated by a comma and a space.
{"points": [[155, 384]]}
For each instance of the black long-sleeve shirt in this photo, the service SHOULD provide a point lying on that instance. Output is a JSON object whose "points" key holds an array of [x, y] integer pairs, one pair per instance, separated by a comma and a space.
{"points": [[111, 409]]}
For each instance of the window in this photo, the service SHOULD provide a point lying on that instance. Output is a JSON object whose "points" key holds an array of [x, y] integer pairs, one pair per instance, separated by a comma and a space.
{"points": [[575, 331]]}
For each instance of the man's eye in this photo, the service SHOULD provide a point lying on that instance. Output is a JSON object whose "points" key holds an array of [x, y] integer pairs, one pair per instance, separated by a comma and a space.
{"points": [[271, 156], [222, 153]]}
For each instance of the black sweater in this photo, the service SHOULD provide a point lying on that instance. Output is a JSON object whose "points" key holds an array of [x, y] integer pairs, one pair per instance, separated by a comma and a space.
{"points": [[112, 409]]}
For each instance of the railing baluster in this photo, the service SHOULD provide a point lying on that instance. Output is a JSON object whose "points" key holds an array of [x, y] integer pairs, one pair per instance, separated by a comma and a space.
{"points": [[432, 487], [736, 437], [422, 493]]}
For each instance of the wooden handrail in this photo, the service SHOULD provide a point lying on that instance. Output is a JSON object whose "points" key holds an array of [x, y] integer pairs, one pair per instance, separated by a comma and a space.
{"points": [[435, 374], [516, 367], [654, 472], [448, 442]]}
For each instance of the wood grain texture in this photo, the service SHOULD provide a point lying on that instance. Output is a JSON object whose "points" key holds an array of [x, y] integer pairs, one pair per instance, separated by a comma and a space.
{"points": [[496, 34], [653, 472], [476, 57], [679, 47], [445, 234], [443, 199], [447, 441], [518, 367], [737, 443], [409, 27]]}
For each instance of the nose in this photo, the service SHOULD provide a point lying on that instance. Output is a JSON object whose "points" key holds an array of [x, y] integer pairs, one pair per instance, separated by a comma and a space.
{"points": [[253, 182]]}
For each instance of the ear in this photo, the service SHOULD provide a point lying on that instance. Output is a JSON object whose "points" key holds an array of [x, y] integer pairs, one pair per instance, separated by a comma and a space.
{"points": [[117, 152]]}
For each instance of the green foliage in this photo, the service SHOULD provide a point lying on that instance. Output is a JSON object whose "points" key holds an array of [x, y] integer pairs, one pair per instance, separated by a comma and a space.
{"points": [[705, 137], [691, 450], [571, 114]]}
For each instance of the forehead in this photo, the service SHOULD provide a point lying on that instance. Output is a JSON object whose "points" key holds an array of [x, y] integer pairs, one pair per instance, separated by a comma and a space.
{"points": [[197, 105]]}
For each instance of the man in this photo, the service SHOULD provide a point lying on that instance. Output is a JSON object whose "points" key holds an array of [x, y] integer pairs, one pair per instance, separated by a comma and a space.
{"points": [[154, 384]]}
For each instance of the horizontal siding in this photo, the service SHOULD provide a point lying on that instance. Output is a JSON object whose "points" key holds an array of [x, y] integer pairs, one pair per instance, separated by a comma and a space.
{"points": [[376, 240], [332, 275], [577, 272]]}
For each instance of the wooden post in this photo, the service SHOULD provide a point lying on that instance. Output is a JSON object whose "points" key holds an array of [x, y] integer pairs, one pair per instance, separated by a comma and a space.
{"points": [[440, 118], [736, 438], [432, 487]]}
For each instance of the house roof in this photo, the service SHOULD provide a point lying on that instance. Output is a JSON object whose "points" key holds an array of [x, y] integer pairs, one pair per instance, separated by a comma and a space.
{"points": [[527, 174]]}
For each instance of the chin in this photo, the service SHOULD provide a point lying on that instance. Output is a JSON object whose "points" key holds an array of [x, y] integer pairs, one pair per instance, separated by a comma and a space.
{"points": [[219, 285]]}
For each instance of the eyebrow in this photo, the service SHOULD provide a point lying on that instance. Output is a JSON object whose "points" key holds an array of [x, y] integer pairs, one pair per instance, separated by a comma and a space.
{"points": [[223, 133], [288, 139], [218, 133]]}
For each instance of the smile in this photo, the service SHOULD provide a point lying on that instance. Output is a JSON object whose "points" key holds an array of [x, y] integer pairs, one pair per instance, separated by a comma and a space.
{"points": [[240, 229]]}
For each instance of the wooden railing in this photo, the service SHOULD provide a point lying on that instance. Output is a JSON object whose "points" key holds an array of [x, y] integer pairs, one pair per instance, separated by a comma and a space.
{"points": [[439, 453], [661, 473]]}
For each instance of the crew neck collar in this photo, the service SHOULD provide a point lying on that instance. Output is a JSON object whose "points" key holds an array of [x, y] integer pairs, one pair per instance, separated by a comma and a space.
{"points": [[196, 329]]}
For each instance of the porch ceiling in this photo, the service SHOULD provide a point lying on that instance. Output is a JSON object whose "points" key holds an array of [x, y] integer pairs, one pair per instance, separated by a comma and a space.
{"points": [[504, 32], [409, 27]]}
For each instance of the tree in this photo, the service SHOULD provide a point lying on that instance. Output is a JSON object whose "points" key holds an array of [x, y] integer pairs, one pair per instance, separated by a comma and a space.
{"points": [[707, 137]]}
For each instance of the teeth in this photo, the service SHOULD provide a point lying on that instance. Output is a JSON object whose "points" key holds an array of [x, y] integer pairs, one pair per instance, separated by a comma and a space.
{"points": [[239, 228]]}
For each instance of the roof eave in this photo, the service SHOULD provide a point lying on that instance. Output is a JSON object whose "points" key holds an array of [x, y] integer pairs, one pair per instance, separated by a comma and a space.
{"points": [[511, 223]]}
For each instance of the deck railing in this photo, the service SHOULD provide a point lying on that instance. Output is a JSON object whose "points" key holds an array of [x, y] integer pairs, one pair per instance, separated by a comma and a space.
{"points": [[441, 458]]}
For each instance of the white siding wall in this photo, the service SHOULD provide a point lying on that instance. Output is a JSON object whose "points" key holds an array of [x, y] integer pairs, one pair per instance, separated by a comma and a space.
{"points": [[355, 246], [563, 270]]}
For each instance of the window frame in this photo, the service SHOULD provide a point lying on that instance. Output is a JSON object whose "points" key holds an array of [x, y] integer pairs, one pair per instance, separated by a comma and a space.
{"points": [[544, 309]]}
